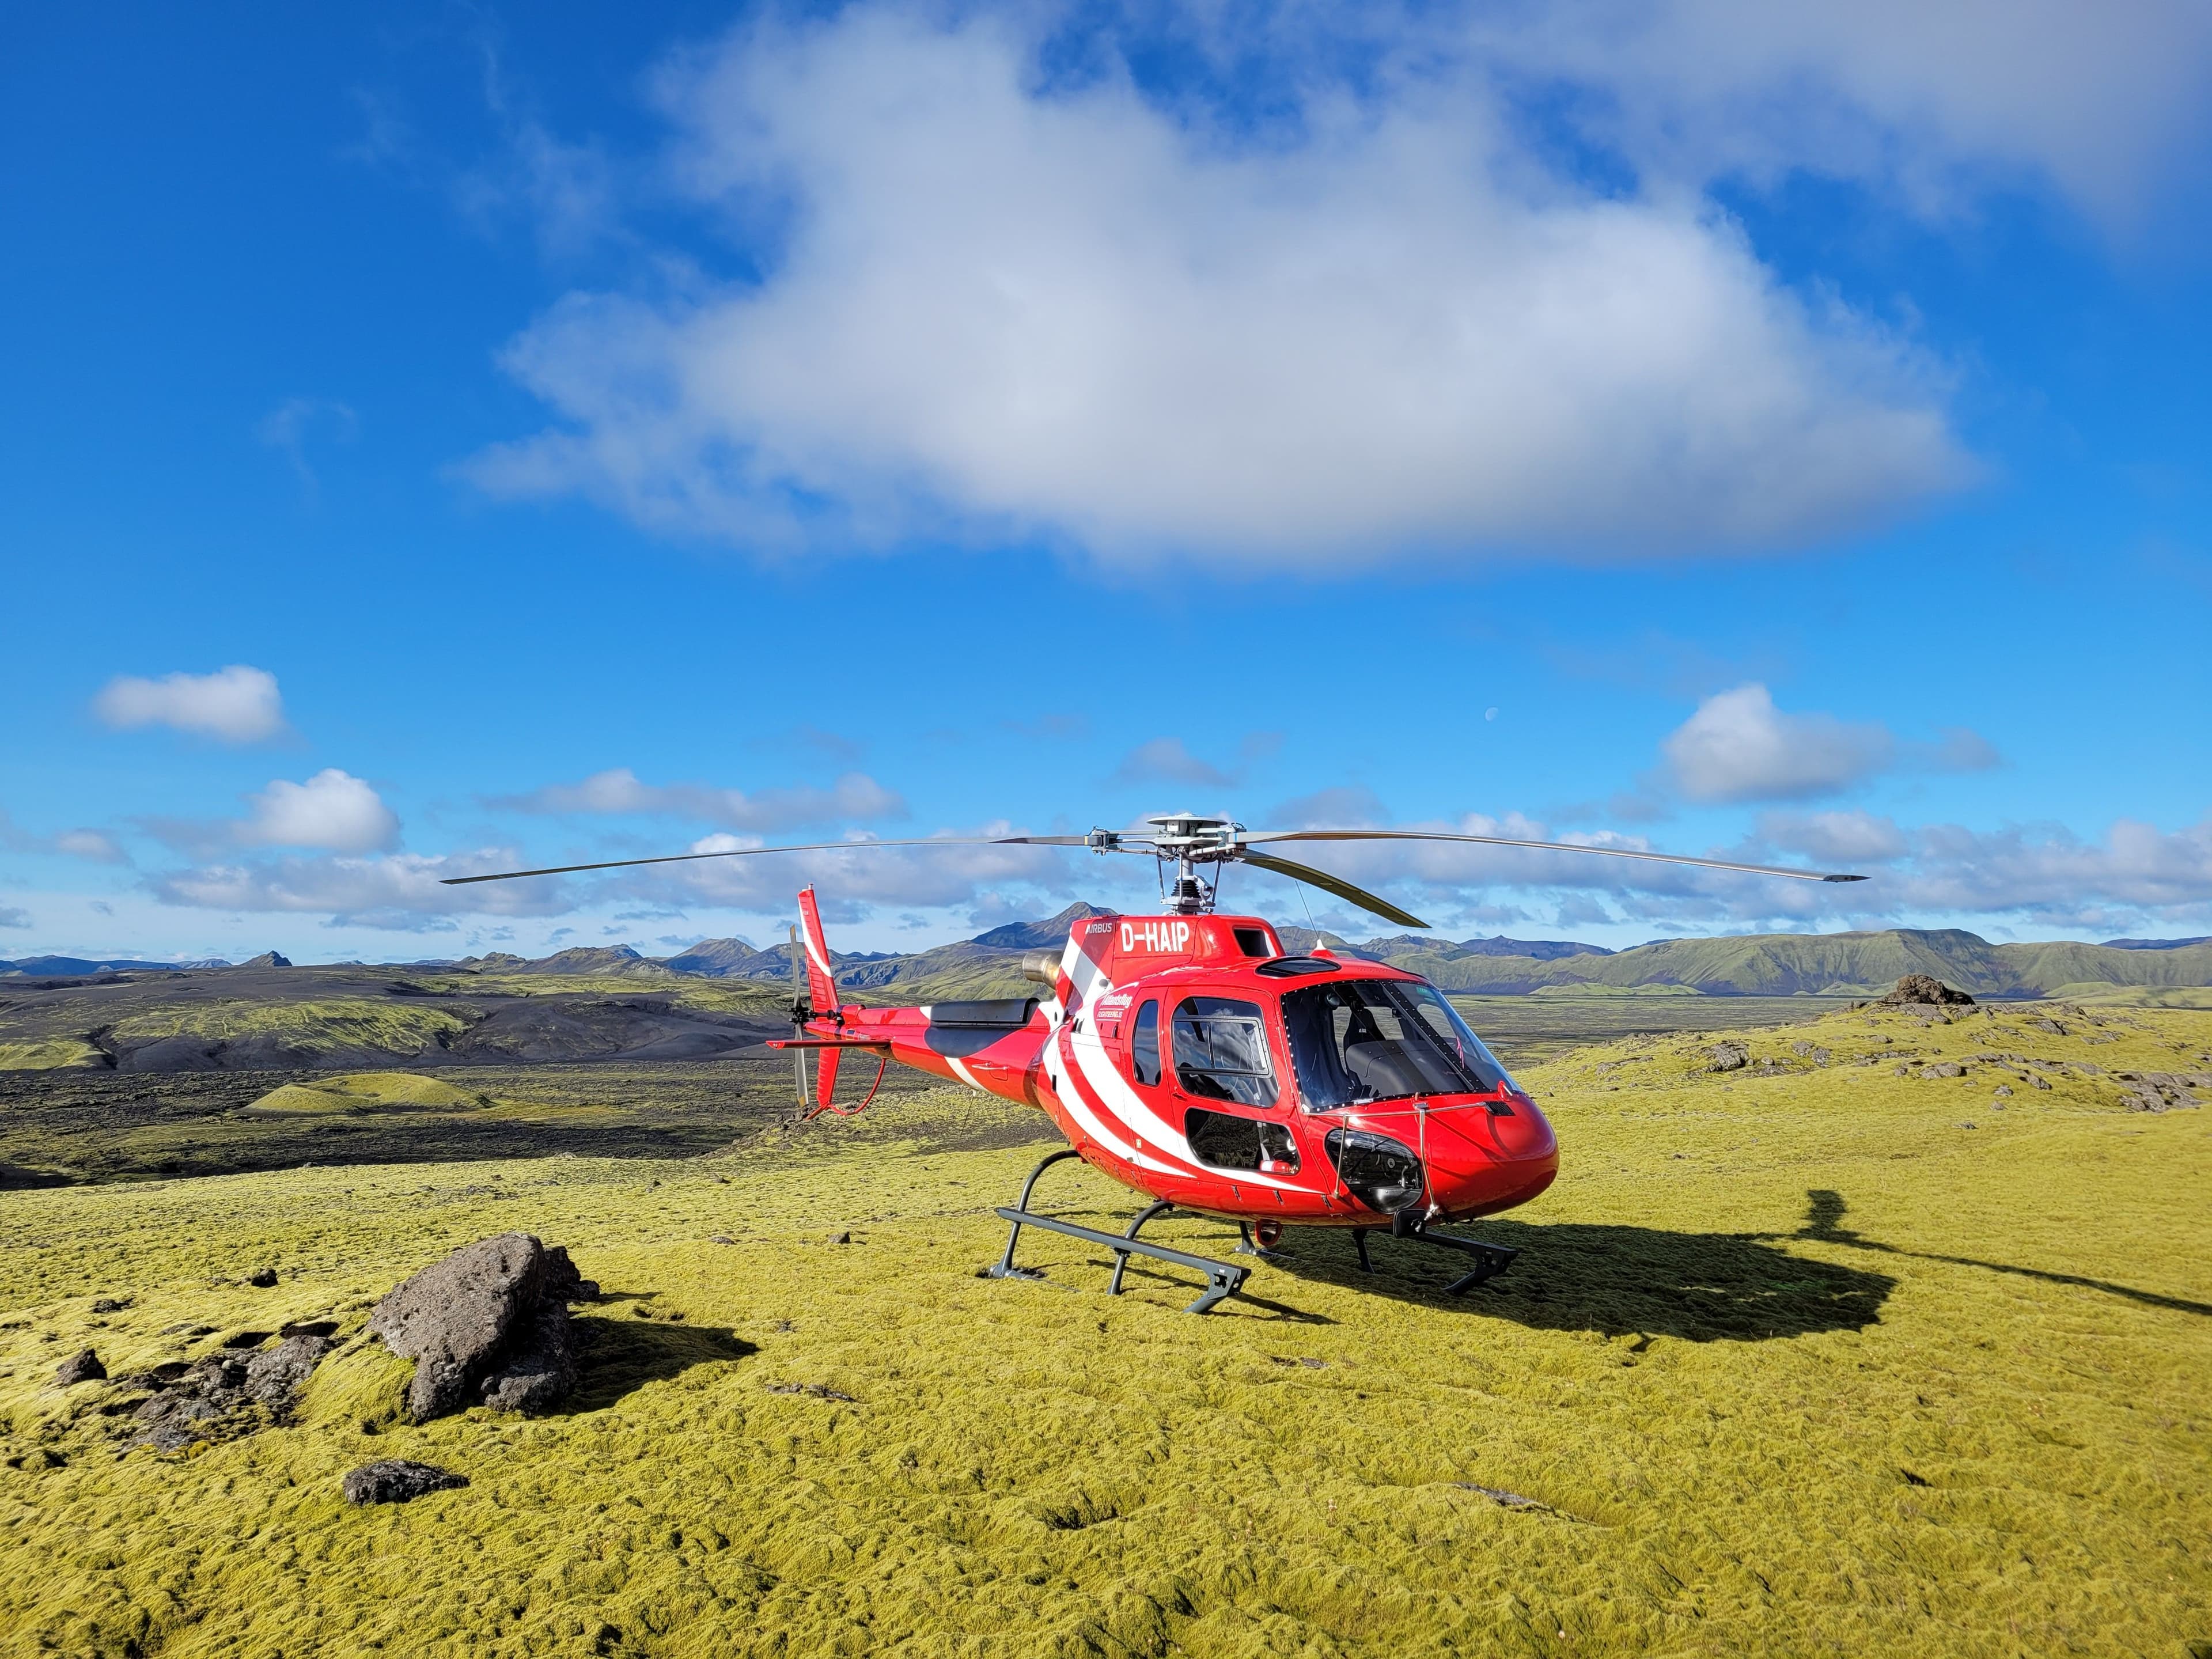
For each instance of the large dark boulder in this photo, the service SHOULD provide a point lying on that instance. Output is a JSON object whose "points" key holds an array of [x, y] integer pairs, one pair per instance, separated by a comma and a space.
{"points": [[1922, 990], [81, 1367], [397, 1481], [488, 1324]]}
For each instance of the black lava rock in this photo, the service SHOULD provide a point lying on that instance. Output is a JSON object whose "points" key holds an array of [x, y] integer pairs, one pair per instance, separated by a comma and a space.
{"points": [[489, 1323], [83, 1366], [1923, 991], [397, 1480]]}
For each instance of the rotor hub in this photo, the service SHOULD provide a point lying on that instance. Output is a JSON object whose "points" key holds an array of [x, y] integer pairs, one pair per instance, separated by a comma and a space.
{"points": [[1192, 835]]}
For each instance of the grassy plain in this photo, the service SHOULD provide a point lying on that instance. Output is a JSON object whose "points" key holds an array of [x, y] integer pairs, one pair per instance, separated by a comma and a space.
{"points": [[1817, 1356]]}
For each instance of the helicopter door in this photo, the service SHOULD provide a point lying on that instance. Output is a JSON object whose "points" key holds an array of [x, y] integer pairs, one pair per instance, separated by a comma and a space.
{"points": [[1226, 1078]]}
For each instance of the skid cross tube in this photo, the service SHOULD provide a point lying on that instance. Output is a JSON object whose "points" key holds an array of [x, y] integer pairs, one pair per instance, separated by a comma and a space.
{"points": [[1490, 1260], [1222, 1279]]}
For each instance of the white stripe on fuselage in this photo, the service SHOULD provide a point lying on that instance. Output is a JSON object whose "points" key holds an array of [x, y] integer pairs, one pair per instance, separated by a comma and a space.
{"points": [[1115, 1099]]}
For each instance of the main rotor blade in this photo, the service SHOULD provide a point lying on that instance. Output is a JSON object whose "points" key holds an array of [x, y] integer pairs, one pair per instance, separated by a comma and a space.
{"points": [[1336, 885], [1540, 847], [751, 852]]}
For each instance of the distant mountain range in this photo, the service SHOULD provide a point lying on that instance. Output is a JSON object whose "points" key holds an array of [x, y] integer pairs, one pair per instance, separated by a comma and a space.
{"points": [[73, 966], [1774, 964]]}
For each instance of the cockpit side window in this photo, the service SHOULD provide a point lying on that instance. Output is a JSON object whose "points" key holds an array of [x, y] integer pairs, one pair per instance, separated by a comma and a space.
{"points": [[1358, 1040], [1221, 1051], [1144, 1045]]}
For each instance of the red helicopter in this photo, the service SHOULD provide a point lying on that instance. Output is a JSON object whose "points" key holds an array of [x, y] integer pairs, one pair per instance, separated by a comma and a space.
{"points": [[1192, 1057]]}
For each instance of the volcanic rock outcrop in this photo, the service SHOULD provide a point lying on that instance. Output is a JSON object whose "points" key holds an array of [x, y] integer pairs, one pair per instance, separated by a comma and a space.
{"points": [[489, 1324], [1923, 990], [214, 1398]]}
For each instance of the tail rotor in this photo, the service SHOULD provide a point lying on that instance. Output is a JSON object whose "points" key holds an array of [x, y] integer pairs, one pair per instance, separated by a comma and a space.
{"points": [[801, 1011]]}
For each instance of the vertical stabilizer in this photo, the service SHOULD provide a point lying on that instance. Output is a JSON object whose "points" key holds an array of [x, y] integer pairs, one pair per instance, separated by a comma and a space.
{"points": [[820, 980]]}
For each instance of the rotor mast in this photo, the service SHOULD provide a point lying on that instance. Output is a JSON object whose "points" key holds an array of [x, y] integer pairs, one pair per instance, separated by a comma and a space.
{"points": [[1191, 839]]}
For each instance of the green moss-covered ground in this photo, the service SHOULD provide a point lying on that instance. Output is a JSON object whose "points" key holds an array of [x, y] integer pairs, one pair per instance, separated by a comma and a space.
{"points": [[1811, 1356]]}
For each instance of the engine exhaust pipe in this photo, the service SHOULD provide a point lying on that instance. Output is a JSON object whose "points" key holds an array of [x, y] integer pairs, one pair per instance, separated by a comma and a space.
{"points": [[1042, 966]]}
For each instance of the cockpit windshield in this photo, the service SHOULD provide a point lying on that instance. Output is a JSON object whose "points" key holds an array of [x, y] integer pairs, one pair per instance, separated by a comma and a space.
{"points": [[1358, 1040]]}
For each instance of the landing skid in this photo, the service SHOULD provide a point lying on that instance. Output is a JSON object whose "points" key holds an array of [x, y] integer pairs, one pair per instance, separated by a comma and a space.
{"points": [[1222, 1279], [1490, 1260]]}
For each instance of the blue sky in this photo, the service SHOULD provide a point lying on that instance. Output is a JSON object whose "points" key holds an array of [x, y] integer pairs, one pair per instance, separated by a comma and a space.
{"points": [[450, 437]]}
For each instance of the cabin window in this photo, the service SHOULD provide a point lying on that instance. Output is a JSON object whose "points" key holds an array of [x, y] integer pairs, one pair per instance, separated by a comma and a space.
{"points": [[1221, 1051], [1357, 1040], [1221, 1141], [1144, 1045]]}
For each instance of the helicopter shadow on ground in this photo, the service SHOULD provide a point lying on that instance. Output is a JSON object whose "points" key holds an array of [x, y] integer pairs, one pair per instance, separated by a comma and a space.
{"points": [[618, 1353], [1825, 1210], [1245, 1302], [1615, 1280]]}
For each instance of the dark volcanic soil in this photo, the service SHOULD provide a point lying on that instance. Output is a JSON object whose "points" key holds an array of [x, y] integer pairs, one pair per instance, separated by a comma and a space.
{"points": [[87, 1124], [286, 1018]]}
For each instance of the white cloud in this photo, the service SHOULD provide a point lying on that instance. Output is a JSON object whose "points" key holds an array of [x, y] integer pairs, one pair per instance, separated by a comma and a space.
{"points": [[235, 704], [1937, 99], [855, 795], [332, 809], [921, 878], [11, 916], [1834, 838], [2050, 872], [1075, 310], [2135, 875], [399, 892], [1739, 747], [96, 846]]}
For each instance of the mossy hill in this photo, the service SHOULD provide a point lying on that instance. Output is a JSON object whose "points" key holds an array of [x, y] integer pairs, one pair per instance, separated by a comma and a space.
{"points": [[1866, 1345], [361, 1019]]}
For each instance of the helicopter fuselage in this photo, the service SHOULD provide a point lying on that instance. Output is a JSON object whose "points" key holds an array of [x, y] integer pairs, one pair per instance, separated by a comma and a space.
{"points": [[1192, 1058]]}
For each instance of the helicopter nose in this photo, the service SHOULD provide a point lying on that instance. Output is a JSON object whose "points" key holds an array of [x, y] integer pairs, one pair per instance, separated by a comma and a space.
{"points": [[1479, 1162]]}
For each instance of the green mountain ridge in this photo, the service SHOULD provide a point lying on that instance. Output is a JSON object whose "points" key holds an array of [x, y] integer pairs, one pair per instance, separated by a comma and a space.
{"points": [[1761, 965]]}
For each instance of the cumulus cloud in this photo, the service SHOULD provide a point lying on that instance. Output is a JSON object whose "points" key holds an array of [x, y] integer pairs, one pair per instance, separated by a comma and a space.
{"points": [[332, 809], [2042, 875], [1003, 302], [2049, 872], [1739, 747], [1837, 838], [96, 846], [854, 796], [852, 878], [1933, 102], [235, 704], [399, 892]]}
